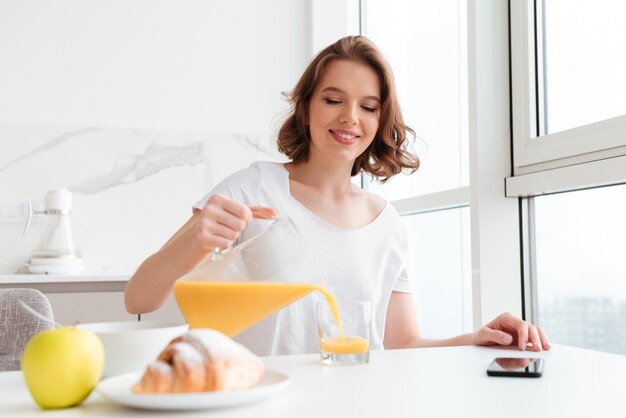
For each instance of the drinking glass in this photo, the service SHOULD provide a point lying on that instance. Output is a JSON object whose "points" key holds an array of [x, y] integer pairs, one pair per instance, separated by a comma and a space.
{"points": [[344, 338]]}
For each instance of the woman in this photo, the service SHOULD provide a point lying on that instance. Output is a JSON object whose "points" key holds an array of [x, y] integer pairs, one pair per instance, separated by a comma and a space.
{"points": [[345, 119]]}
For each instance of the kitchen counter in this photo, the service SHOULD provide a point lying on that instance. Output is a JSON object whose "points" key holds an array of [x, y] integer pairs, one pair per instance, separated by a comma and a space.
{"points": [[88, 297], [56, 283], [427, 382]]}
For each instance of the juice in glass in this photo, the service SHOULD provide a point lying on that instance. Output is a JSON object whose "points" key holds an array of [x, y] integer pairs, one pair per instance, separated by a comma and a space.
{"points": [[351, 348]]}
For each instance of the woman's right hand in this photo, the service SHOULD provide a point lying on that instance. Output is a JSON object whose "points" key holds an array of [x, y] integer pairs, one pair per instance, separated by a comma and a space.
{"points": [[217, 225], [222, 219]]}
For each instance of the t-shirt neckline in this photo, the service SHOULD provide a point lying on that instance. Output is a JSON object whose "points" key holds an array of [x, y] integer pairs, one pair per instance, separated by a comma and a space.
{"points": [[287, 187]]}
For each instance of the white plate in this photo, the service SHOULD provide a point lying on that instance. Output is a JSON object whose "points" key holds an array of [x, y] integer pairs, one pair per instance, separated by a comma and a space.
{"points": [[119, 390]]}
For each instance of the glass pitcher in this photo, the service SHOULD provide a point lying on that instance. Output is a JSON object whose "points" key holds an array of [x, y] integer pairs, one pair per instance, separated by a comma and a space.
{"points": [[245, 284]]}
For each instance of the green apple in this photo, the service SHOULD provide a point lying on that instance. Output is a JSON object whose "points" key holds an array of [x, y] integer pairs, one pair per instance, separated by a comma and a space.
{"points": [[61, 366]]}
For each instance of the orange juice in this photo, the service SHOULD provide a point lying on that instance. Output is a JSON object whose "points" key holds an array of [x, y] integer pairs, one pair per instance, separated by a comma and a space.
{"points": [[233, 307], [344, 345]]}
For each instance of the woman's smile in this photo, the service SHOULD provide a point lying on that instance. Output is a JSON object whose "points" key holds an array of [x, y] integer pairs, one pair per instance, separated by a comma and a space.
{"points": [[344, 136]]}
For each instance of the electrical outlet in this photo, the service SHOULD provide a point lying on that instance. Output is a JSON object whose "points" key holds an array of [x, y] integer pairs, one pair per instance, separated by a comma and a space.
{"points": [[16, 208]]}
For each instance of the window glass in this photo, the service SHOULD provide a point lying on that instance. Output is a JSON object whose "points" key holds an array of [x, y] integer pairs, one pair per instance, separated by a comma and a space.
{"points": [[581, 267], [439, 266], [427, 50], [584, 62]]}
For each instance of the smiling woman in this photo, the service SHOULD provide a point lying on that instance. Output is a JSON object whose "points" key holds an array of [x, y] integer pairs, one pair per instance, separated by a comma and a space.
{"points": [[345, 120]]}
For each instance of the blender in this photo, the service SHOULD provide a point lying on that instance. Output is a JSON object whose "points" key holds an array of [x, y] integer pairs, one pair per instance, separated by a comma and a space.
{"points": [[56, 253]]}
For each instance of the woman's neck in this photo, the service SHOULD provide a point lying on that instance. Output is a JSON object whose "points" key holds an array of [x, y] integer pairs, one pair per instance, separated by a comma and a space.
{"points": [[323, 176]]}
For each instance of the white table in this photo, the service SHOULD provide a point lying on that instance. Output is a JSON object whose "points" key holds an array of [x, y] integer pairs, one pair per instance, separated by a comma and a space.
{"points": [[447, 382]]}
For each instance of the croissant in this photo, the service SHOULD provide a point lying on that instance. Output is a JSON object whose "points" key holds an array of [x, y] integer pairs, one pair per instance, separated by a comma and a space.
{"points": [[201, 360]]}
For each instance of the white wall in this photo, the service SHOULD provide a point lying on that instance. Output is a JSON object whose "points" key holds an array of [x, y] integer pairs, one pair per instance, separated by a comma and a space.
{"points": [[216, 66], [90, 89]]}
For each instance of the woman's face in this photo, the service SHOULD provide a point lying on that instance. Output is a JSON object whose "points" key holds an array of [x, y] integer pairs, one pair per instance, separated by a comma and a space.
{"points": [[344, 111]]}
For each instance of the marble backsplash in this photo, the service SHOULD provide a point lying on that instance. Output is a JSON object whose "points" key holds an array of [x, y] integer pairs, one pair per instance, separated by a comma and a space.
{"points": [[132, 188]]}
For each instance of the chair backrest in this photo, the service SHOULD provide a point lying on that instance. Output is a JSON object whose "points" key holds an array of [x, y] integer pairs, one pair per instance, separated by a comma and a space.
{"points": [[17, 325]]}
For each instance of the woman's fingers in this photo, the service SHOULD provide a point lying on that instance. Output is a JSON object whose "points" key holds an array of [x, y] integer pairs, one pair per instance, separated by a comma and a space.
{"points": [[522, 335], [234, 207], [544, 338], [262, 212], [213, 234], [221, 221], [498, 337], [489, 336], [224, 218], [533, 337], [227, 219]]}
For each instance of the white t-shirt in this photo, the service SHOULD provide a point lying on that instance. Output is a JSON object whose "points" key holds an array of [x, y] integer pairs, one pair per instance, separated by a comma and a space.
{"points": [[365, 263]]}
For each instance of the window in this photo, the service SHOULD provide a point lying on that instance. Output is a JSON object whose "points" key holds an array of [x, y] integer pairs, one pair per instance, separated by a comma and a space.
{"points": [[567, 68], [583, 41], [569, 133], [427, 50], [581, 267], [440, 247]]}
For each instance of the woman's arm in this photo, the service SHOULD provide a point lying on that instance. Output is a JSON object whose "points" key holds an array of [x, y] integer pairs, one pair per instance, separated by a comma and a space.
{"points": [[151, 285], [218, 224], [402, 330]]}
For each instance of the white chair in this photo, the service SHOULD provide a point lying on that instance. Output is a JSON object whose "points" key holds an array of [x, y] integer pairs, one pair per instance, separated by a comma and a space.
{"points": [[17, 325]]}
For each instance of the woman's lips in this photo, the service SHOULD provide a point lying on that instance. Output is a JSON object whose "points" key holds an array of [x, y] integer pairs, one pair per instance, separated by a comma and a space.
{"points": [[344, 137]]}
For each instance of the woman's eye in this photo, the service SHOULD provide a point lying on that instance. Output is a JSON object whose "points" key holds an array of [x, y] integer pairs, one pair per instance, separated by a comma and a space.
{"points": [[369, 109], [332, 101]]}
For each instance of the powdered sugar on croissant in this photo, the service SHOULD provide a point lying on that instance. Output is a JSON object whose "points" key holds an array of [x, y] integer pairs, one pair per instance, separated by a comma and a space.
{"points": [[201, 360]]}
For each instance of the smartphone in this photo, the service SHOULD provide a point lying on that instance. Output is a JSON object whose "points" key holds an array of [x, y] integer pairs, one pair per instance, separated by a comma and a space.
{"points": [[516, 367]]}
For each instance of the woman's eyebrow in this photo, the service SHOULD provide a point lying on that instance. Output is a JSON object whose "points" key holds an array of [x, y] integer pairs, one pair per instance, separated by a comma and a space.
{"points": [[338, 90]]}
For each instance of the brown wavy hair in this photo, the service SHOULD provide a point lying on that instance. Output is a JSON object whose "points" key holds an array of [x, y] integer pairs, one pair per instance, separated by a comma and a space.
{"points": [[387, 154]]}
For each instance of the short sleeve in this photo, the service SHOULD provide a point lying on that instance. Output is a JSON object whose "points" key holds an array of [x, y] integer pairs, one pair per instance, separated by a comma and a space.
{"points": [[241, 186], [221, 188], [403, 283]]}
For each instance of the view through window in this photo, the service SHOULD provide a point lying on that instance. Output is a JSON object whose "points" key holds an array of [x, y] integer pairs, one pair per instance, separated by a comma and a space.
{"points": [[580, 235], [581, 267], [585, 62]]}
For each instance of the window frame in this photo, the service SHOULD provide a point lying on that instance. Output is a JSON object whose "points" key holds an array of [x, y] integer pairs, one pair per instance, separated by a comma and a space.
{"points": [[569, 160], [588, 156]]}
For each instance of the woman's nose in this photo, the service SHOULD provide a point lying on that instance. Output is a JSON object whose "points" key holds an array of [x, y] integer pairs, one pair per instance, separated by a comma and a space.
{"points": [[349, 116]]}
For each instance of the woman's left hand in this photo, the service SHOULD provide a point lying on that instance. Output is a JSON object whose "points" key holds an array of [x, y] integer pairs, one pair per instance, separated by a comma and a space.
{"points": [[507, 329]]}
